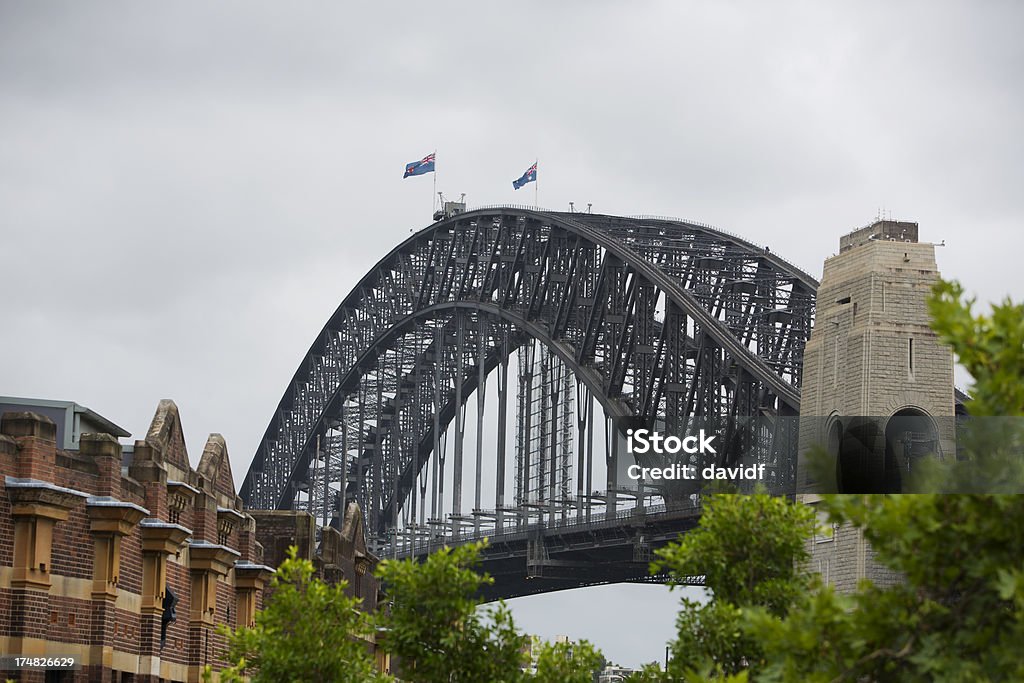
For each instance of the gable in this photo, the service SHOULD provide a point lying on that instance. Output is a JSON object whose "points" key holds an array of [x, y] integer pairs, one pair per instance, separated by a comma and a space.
{"points": [[215, 466], [166, 437], [352, 528]]}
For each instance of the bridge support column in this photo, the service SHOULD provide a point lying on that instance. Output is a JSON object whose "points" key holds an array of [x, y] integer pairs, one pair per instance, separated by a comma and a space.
{"points": [[502, 428], [481, 394], [583, 408], [612, 460], [590, 454], [460, 426], [438, 454]]}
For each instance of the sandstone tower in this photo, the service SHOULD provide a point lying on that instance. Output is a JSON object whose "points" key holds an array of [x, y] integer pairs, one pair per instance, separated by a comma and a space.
{"points": [[877, 384]]}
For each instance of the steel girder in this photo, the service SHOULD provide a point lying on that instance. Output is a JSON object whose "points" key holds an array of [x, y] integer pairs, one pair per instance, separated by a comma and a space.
{"points": [[659, 319]]}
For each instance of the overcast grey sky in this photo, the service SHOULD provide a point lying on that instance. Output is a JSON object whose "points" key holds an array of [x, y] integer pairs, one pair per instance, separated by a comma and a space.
{"points": [[187, 190]]}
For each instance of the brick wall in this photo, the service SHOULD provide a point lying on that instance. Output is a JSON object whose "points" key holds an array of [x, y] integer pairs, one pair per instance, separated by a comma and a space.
{"points": [[72, 545], [276, 530], [179, 580]]}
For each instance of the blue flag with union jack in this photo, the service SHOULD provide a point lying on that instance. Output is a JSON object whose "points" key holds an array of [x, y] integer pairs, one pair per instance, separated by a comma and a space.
{"points": [[424, 165], [529, 177]]}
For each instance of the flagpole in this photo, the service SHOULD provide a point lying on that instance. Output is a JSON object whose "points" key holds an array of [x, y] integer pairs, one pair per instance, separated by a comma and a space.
{"points": [[434, 193], [536, 185]]}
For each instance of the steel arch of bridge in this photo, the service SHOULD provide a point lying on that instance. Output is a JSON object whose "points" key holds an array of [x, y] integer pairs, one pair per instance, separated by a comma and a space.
{"points": [[658, 320]]}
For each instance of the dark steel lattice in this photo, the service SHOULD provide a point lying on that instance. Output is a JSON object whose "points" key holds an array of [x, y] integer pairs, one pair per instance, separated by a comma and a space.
{"points": [[658, 320]]}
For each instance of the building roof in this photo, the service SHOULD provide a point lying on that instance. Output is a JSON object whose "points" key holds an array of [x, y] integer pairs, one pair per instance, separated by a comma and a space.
{"points": [[72, 419]]}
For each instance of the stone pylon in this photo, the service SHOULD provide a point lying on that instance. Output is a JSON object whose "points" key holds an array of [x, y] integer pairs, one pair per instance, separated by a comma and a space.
{"points": [[877, 393]]}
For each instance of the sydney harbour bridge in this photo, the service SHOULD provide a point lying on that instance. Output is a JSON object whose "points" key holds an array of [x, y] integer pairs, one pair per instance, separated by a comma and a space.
{"points": [[478, 380]]}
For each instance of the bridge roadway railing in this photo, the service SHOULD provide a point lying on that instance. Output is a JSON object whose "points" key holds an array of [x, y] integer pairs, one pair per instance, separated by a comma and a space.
{"points": [[514, 533]]}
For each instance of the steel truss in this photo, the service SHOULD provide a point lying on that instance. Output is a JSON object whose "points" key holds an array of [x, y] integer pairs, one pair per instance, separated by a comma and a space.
{"points": [[658, 321]]}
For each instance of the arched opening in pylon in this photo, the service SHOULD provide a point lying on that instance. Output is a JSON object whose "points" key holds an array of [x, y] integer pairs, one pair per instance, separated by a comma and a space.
{"points": [[860, 463], [910, 436]]}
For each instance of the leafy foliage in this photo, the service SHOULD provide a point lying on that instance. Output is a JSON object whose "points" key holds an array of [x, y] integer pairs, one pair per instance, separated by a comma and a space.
{"points": [[745, 547], [311, 631], [435, 627], [307, 631], [991, 348], [652, 673], [991, 441], [568, 663], [748, 548]]}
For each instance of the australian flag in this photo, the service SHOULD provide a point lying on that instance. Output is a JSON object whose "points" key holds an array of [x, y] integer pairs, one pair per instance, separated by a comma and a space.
{"points": [[424, 165], [529, 177]]}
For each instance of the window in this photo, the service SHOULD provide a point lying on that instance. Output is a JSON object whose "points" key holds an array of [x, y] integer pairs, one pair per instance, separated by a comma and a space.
{"points": [[835, 363], [824, 531], [824, 568]]}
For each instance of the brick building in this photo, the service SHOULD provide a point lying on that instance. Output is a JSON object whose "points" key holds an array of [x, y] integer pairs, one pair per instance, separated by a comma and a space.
{"points": [[98, 543]]}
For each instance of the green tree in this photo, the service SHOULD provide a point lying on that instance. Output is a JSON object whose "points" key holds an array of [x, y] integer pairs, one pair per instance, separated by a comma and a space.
{"points": [[990, 347], [748, 548], [990, 443], [653, 673], [307, 631], [435, 628], [568, 663]]}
